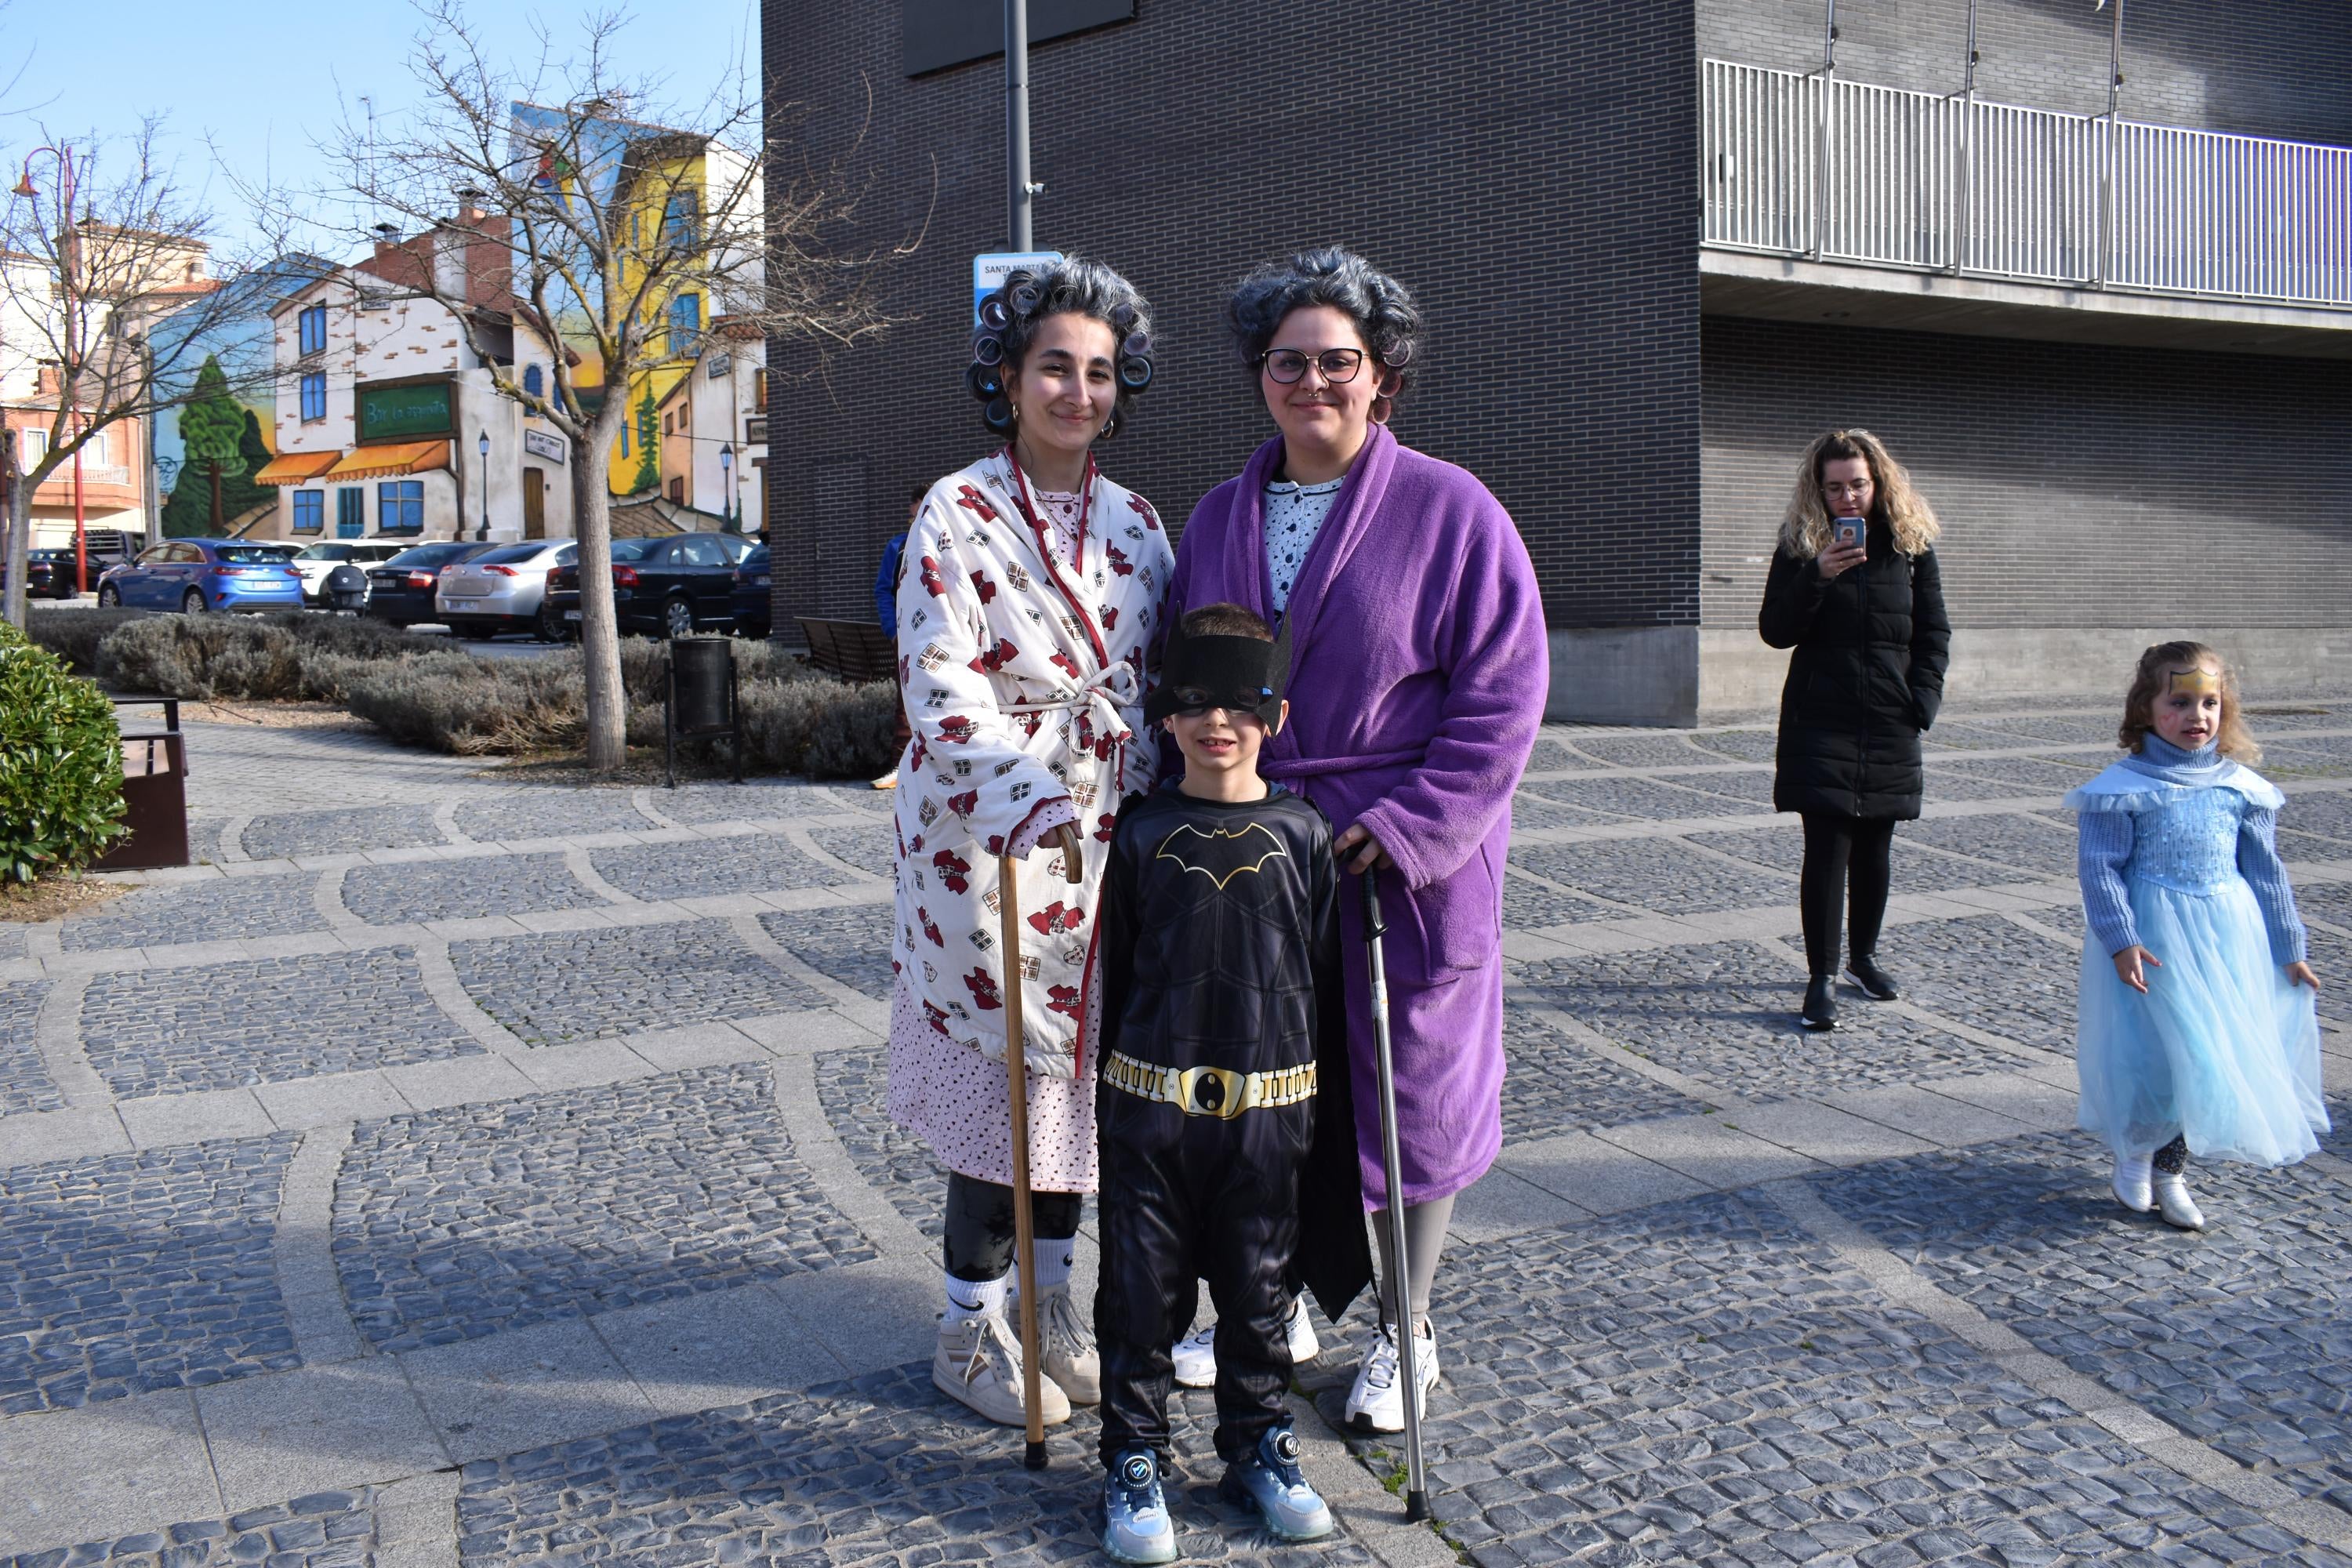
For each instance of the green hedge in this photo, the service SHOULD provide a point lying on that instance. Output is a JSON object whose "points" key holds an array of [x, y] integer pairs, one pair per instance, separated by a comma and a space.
{"points": [[425, 692], [60, 764]]}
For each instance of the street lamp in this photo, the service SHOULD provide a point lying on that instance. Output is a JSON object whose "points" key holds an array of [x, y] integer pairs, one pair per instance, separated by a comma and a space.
{"points": [[68, 373], [727, 483], [483, 446]]}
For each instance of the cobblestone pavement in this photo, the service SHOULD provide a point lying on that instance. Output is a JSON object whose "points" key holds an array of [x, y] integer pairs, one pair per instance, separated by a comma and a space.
{"points": [[477, 1170]]}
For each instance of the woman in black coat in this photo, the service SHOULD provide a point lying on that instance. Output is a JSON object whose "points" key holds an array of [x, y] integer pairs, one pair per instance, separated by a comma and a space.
{"points": [[1856, 590]]}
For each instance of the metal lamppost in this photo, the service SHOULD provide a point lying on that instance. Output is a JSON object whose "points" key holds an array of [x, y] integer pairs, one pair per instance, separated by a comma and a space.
{"points": [[727, 485], [68, 373], [483, 446]]}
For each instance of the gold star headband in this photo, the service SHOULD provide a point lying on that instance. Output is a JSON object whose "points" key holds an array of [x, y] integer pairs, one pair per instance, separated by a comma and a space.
{"points": [[2195, 681]]}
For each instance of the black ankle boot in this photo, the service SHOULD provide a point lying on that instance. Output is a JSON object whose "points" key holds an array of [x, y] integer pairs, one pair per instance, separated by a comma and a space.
{"points": [[1875, 983], [1821, 1007]]}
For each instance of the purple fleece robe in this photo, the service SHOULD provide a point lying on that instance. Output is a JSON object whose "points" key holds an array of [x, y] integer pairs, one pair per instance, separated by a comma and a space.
{"points": [[1418, 671]]}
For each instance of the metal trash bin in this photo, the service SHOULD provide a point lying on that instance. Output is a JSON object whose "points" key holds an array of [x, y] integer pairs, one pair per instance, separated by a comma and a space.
{"points": [[346, 589], [700, 700], [154, 795]]}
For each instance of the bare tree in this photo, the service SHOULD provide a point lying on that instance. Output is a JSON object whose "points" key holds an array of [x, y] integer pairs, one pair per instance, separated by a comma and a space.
{"points": [[107, 307], [583, 220]]}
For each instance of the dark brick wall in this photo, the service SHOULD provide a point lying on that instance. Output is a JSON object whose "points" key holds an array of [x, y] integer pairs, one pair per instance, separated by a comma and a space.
{"points": [[2078, 486], [1526, 170], [2277, 67]]}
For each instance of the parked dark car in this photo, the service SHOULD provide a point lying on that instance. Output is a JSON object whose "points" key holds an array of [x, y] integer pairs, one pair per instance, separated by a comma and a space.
{"points": [[50, 574], [193, 576], [661, 588], [750, 595], [401, 590]]}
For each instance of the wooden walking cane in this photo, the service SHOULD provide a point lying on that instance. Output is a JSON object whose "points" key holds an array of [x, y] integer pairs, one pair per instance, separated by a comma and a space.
{"points": [[1016, 1077]]}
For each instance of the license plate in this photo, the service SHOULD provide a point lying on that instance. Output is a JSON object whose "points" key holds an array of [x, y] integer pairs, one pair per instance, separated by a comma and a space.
{"points": [[570, 615]]}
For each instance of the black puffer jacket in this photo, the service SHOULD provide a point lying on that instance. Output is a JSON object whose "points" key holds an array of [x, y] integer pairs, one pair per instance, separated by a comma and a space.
{"points": [[1865, 680]]}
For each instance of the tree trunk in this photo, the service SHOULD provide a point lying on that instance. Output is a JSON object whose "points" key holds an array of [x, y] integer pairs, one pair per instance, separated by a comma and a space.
{"points": [[600, 633], [20, 549], [219, 527]]}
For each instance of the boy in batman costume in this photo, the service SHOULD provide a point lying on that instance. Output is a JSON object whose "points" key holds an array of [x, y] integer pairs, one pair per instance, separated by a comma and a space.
{"points": [[1226, 1136]]}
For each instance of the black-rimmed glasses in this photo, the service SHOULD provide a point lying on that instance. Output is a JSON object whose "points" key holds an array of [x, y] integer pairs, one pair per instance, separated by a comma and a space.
{"points": [[1287, 365]]}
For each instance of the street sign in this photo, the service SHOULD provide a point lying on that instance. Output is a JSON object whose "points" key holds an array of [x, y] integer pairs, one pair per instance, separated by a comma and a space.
{"points": [[540, 444], [989, 272]]}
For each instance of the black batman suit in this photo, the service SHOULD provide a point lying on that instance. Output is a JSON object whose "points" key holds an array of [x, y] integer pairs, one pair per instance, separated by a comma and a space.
{"points": [[1218, 931]]}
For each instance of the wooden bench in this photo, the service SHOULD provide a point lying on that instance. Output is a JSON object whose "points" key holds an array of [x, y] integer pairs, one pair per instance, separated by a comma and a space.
{"points": [[850, 650]]}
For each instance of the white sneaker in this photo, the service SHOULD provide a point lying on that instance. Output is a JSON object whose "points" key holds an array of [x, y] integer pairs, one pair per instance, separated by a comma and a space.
{"points": [[978, 1361], [1196, 1353], [2131, 1183], [2173, 1201], [1066, 1345], [1377, 1403]]}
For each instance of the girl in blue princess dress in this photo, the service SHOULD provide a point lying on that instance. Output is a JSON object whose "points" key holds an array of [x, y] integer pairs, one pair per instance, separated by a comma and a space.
{"points": [[2197, 1033]]}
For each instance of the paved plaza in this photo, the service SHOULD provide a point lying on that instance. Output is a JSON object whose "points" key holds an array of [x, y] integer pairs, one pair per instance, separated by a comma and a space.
{"points": [[456, 1170]]}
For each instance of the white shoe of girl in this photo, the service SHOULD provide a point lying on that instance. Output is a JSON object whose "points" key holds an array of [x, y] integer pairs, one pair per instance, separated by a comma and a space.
{"points": [[2173, 1201], [1377, 1402], [2131, 1183]]}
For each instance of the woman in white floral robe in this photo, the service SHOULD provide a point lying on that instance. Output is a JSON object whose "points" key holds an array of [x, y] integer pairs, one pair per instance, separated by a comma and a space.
{"points": [[1024, 615]]}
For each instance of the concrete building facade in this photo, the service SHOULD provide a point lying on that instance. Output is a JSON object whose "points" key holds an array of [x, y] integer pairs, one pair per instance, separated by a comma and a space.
{"points": [[1662, 244]]}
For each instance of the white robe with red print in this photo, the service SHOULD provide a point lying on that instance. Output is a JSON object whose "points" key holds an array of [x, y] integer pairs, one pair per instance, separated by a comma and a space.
{"points": [[1023, 685]]}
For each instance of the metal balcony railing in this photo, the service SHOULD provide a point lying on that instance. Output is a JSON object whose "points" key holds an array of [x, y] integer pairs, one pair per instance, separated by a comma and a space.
{"points": [[1842, 171]]}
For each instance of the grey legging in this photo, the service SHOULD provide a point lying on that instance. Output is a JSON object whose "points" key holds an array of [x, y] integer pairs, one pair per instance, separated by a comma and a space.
{"points": [[1424, 1240]]}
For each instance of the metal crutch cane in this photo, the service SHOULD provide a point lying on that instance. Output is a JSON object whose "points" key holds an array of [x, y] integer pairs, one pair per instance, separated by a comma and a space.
{"points": [[1016, 1077], [1400, 1291]]}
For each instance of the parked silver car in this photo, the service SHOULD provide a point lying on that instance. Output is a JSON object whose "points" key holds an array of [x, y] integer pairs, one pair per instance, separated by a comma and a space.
{"points": [[503, 590], [323, 557]]}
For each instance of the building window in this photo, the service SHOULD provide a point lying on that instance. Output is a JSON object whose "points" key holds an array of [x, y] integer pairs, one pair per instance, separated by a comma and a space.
{"points": [[314, 395], [759, 392], [351, 512], [668, 427], [313, 325], [533, 383], [310, 511], [400, 505], [625, 437], [678, 222], [684, 321]]}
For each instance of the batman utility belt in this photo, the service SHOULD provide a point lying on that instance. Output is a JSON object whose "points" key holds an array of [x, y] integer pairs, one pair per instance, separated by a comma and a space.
{"points": [[1210, 1091]]}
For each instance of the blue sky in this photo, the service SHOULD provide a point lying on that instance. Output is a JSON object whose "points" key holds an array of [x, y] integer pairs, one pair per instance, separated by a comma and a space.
{"points": [[265, 78]]}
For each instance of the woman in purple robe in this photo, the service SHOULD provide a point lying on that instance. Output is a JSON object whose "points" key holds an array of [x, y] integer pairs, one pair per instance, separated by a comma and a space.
{"points": [[1418, 673]]}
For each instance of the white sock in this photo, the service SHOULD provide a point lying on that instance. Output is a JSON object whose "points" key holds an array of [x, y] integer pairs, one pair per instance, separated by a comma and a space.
{"points": [[1055, 1256], [970, 1299]]}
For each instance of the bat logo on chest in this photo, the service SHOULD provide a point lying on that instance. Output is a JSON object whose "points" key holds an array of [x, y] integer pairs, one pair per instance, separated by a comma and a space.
{"points": [[1221, 854]]}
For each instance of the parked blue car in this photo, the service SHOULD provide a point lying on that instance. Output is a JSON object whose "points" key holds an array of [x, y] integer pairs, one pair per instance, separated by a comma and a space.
{"points": [[193, 576]]}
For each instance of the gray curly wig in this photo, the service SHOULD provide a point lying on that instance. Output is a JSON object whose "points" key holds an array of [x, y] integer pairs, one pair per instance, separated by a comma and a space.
{"points": [[1009, 320], [1380, 307]]}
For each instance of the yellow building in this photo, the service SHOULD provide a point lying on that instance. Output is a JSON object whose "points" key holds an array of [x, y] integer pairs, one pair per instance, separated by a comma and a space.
{"points": [[673, 184]]}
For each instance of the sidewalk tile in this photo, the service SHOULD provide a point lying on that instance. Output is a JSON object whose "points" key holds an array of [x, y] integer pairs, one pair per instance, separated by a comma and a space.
{"points": [[1592, 1174], [524, 1388], [1924, 1113], [162, 1120], [724, 1348], [316, 1429], [1703, 1149], [100, 1471]]}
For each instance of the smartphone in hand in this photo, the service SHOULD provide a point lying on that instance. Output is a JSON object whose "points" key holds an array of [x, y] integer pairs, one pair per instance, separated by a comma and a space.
{"points": [[1845, 530]]}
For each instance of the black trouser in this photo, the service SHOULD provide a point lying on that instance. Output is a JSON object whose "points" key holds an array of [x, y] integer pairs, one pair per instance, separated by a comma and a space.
{"points": [[1187, 1198], [1846, 862], [2173, 1158], [978, 1244]]}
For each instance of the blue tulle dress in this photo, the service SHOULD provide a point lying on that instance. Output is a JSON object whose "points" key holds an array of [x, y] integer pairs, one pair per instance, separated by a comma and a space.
{"points": [[2223, 1050]]}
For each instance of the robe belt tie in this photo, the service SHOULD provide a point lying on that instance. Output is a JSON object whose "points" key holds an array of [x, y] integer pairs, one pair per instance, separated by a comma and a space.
{"points": [[1108, 691], [1316, 767], [1220, 1092]]}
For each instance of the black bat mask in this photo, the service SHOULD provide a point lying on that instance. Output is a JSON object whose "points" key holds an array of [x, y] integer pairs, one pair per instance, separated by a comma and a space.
{"points": [[1240, 675]]}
